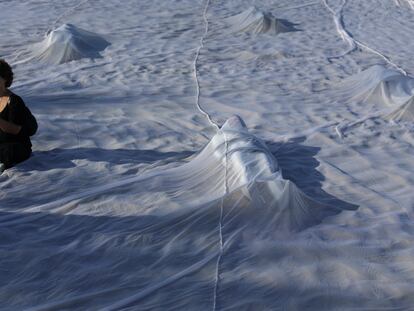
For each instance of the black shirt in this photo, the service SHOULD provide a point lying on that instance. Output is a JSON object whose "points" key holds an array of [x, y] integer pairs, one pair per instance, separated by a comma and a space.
{"points": [[16, 112]]}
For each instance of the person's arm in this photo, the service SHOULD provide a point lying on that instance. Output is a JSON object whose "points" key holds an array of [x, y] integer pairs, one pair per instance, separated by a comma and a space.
{"points": [[29, 123], [21, 121], [9, 127]]}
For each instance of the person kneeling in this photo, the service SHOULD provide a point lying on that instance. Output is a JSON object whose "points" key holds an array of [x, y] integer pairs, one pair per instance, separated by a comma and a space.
{"points": [[17, 123]]}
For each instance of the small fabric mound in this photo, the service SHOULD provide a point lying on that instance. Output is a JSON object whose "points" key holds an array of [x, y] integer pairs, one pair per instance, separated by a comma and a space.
{"points": [[384, 89], [255, 21], [68, 43]]}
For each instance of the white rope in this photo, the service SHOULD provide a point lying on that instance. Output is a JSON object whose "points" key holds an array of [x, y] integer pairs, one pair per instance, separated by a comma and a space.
{"points": [[353, 43], [226, 191], [195, 68], [216, 281], [382, 56], [220, 252], [340, 28]]}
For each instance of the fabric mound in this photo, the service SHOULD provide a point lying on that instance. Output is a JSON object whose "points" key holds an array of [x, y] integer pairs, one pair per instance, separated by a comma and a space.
{"points": [[68, 43], [383, 89], [256, 21], [237, 172]]}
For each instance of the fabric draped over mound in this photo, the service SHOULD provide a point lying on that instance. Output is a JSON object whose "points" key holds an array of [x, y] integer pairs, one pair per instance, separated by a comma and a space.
{"points": [[384, 89], [236, 171], [68, 43], [255, 21]]}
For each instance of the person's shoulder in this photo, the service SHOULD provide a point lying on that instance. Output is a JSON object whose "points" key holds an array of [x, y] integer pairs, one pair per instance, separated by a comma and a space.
{"points": [[16, 99]]}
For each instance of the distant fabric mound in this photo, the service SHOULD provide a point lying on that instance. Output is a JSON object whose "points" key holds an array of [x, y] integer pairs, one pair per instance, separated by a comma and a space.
{"points": [[68, 43], [255, 21], [383, 89]]}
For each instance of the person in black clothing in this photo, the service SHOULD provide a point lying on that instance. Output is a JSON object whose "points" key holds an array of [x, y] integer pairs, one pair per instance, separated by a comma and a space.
{"points": [[17, 123]]}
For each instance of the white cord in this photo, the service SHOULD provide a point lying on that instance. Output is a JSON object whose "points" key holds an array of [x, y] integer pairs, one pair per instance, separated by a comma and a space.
{"points": [[226, 191], [337, 15], [216, 281], [340, 28], [195, 68]]}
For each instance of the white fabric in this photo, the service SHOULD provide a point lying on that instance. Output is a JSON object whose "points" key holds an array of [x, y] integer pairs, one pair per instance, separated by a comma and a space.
{"points": [[256, 21], [68, 43], [384, 90]]}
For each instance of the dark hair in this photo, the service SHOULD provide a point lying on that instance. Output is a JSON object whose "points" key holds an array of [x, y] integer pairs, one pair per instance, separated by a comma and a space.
{"points": [[6, 72]]}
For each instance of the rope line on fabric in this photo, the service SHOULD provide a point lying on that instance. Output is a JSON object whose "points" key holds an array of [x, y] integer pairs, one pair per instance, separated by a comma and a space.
{"points": [[205, 113], [195, 68], [352, 42], [226, 190]]}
